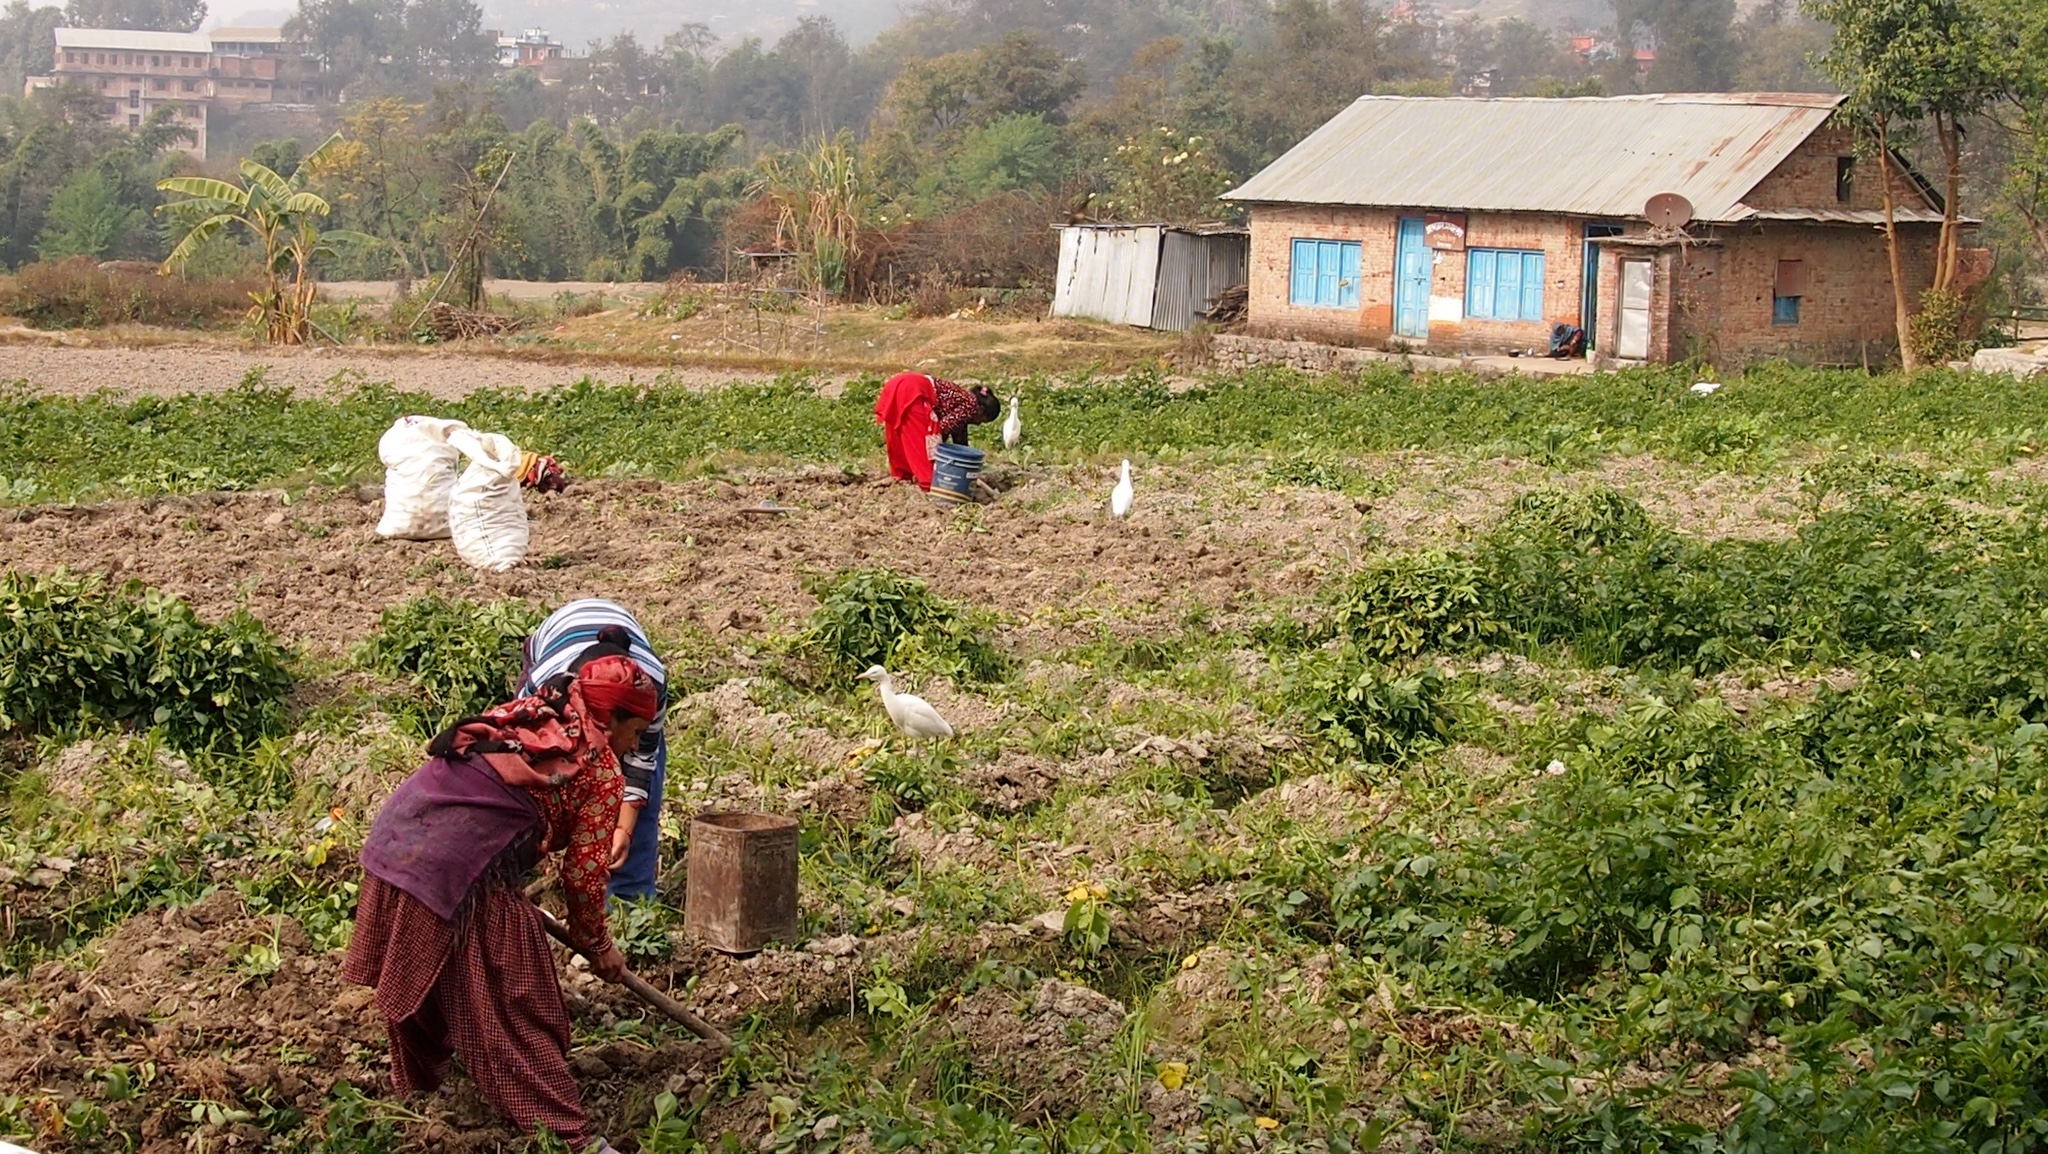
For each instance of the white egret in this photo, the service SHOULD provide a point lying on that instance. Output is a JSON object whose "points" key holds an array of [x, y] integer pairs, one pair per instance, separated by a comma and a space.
{"points": [[1013, 427], [910, 713], [1120, 497]]}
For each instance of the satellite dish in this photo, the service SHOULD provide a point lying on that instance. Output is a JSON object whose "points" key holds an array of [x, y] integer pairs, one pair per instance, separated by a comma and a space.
{"points": [[1668, 210]]}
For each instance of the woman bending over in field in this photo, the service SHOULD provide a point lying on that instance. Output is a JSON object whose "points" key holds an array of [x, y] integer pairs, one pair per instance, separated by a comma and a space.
{"points": [[916, 412], [572, 636], [444, 932]]}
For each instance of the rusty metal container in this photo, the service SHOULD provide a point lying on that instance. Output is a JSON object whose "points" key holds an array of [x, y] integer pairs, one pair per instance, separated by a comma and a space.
{"points": [[741, 893]]}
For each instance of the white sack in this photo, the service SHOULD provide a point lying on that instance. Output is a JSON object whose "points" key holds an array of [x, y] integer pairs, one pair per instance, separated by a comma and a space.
{"points": [[419, 477], [487, 513]]}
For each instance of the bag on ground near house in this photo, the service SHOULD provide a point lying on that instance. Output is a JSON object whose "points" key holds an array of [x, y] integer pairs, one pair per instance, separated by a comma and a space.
{"points": [[487, 513], [419, 477]]}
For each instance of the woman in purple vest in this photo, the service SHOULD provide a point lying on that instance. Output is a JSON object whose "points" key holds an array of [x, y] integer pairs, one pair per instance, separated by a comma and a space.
{"points": [[443, 930]]}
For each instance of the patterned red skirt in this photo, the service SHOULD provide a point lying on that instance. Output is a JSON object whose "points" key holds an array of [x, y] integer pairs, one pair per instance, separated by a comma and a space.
{"points": [[483, 989]]}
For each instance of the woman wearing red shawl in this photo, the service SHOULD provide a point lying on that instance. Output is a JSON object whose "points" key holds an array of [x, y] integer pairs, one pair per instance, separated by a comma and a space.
{"points": [[916, 412], [455, 949]]}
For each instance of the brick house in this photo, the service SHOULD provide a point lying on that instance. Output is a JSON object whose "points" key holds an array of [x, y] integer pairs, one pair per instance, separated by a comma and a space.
{"points": [[1475, 226]]}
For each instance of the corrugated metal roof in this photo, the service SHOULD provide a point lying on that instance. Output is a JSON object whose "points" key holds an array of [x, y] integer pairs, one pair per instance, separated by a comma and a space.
{"points": [[126, 40], [1873, 216], [1590, 156], [1216, 228], [247, 34]]}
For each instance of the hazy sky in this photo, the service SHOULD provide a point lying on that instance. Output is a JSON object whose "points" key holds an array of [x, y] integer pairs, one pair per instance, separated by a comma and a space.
{"points": [[576, 22]]}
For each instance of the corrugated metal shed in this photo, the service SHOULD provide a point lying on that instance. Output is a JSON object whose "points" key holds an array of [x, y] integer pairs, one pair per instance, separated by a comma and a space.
{"points": [[1146, 275], [1108, 274], [1588, 156]]}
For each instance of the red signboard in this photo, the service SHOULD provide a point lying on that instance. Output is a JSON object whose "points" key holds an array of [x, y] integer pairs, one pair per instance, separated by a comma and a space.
{"points": [[1444, 230]]}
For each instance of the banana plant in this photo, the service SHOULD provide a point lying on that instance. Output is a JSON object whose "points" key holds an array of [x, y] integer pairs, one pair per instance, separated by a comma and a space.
{"points": [[285, 220]]}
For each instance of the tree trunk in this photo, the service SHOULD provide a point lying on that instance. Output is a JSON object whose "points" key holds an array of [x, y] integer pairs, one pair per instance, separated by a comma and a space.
{"points": [[1903, 313], [2038, 225], [1949, 132]]}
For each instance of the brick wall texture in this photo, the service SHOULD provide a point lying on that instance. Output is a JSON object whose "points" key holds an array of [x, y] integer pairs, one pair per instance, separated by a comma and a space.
{"points": [[1713, 296]]}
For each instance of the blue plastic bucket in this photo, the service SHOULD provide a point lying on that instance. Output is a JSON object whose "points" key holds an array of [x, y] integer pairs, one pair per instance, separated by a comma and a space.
{"points": [[954, 468]]}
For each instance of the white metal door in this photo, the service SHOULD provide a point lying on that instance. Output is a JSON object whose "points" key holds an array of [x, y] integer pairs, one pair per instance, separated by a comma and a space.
{"points": [[1632, 339]]}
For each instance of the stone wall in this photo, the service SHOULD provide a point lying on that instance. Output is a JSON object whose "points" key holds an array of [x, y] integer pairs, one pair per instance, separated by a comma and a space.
{"points": [[1236, 352]]}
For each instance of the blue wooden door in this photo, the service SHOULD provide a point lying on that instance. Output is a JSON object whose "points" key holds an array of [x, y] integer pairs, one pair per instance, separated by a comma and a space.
{"points": [[1411, 281]]}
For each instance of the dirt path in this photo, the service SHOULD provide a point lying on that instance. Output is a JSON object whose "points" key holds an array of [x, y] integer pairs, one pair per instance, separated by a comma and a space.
{"points": [[167, 370]]}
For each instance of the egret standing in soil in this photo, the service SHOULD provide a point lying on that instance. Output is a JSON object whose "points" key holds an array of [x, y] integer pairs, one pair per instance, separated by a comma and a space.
{"points": [[582, 631], [916, 412], [444, 932]]}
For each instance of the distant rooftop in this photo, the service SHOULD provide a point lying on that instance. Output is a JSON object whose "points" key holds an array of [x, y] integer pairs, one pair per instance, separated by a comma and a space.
{"points": [[128, 40], [1592, 156], [246, 34]]}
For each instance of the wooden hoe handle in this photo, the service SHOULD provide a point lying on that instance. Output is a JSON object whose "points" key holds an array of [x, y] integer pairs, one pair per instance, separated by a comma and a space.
{"points": [[643, 990]]}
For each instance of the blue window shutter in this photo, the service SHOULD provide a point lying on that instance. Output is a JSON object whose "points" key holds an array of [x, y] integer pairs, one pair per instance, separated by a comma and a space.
{"points": [[1479, 283], [1348, 291], [1326, 273], [1302, 287], [1507, 286], [1532, 286]]}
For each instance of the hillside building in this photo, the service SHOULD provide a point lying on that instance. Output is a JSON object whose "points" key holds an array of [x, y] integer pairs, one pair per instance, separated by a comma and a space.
{"points": [[196, 74]]}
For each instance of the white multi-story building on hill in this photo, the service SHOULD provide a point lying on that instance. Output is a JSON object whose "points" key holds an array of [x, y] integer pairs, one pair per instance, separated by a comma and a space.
{"points": [[193, 73]]}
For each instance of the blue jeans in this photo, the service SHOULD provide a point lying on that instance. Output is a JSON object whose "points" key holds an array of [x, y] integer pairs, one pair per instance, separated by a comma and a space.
{"points": [[635, 879]]}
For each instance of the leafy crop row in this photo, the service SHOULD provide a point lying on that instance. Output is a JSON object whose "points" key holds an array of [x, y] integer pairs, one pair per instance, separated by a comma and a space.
{"points": [[1850, 880], [458, 657], [63, 448], [879, 617], [1962, 596], [74, 652]]}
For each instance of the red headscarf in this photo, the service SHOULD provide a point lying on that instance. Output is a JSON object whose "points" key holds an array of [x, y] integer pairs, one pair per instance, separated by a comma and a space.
{"points": [[546, 739], [614, 685]]}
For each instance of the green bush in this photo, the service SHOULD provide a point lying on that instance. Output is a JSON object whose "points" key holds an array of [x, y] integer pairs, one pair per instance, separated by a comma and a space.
{"points": [[1369, 711], [461, 657], [74, 651], [1404, 605], [879, 617], [1600, 519]]}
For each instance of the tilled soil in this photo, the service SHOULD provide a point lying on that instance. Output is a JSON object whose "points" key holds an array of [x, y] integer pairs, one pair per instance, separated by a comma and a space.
{"points": [[687, 556], [193, 1003]]}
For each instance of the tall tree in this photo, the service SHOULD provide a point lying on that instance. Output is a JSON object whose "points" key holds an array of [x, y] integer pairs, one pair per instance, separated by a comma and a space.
{"points": [[87, 218], [445, 38], [28, 45], [1902, 65], [1315, 58], [146, 15], [1777, 46], [1694, 41]]}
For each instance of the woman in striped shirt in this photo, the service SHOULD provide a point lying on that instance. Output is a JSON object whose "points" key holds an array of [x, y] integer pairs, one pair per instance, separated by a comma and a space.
{"points": [[573, 635]]}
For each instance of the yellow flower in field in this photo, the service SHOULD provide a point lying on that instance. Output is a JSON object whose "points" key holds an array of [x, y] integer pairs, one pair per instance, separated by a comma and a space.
{"points": [[1173, 1075], [1265, 1123], [1078, 893], [1191, 961], [1098, 892]]}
